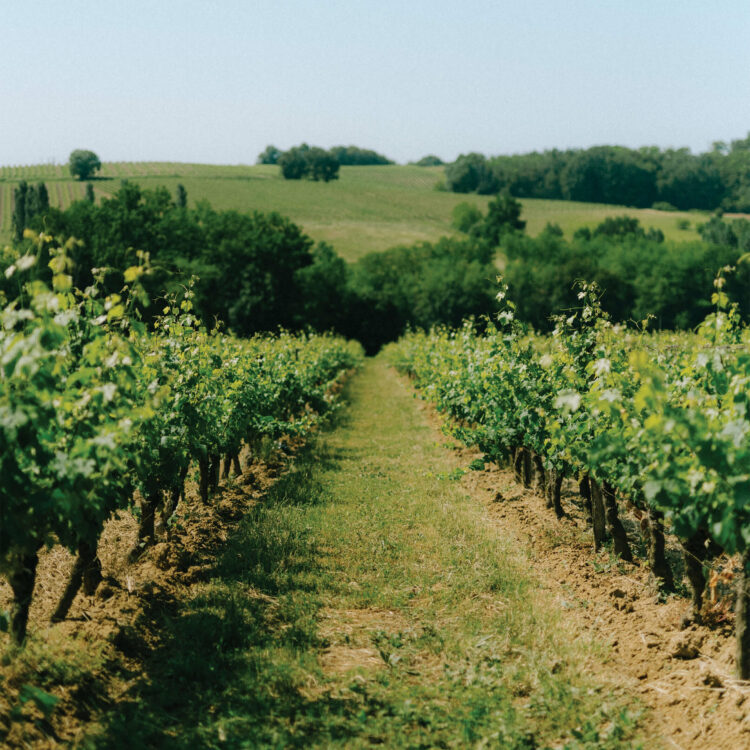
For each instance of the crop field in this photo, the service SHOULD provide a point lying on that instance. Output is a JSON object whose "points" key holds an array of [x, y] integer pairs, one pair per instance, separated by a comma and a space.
{"points": [[270, 542], [367, 209]]}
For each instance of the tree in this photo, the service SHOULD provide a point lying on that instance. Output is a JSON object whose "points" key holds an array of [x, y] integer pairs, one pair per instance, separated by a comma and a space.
{"points": [[29, 202], [324, 291], [19, 209], [42, 197], [83, 164], [609, 174], [90, 197], [466, 216], [292, 162], [181, 196], [312, 163], [469, 173], [269, 156], [429, 161], [355, 156], [31, 209], [321, 165], [503, 215], [688, 181]]}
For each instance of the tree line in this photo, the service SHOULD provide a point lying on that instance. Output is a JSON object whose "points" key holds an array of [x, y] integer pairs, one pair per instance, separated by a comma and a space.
{"points": [[645, 177], [259, 271], [642, 275]]}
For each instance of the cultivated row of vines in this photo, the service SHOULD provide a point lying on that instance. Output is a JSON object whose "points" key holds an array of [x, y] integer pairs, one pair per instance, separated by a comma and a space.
{"points": [[94, 407], [655, 421]]}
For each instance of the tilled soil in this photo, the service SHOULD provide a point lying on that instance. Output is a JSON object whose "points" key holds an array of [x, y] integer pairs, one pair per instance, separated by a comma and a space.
{"points": [[120, 622], [685, 677]]}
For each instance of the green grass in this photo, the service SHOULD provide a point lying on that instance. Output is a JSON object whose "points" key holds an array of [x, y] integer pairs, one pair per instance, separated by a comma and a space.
{"points": [[366, 601], [368, 208]]}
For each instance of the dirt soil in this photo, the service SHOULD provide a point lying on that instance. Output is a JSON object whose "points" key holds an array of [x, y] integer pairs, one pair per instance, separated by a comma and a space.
{"points": [[685, 678], [117, 623]]}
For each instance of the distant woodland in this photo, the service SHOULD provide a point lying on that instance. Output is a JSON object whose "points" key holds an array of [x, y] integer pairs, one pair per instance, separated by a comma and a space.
{"points": [[643, 178]]}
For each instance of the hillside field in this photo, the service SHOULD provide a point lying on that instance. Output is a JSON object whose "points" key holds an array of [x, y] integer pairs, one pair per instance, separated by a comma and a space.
{"points": [[368, 208]]}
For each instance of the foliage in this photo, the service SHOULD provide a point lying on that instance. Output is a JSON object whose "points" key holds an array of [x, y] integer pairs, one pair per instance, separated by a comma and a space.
{"points": [[351, 156], [471, 173], [430, 161], [374, 209], [70, 408], [93, 406], [311, 162], [605, 174], [638, 272], [465, 217], [326, 299], [613, 174], [503, 216], [667, 427], [321, 165], [292, 163], [422, 285], [246, 262], [258, 271], [83, 164], [29, 202], [270, 155]]}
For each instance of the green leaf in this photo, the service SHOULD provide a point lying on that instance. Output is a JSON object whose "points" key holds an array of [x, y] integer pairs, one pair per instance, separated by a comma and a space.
{"points": [[44, 701]]}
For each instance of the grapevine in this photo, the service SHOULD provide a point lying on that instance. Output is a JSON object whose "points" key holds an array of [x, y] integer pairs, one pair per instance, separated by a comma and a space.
{"points": [[659, 422]]}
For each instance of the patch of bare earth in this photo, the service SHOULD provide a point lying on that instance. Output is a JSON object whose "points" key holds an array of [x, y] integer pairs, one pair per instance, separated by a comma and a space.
{"points": [[685, 677], [349, 635], [115, 622]]}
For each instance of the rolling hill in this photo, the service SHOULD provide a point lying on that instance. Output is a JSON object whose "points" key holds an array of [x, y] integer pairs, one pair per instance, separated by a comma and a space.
{"points": [[368, 208]]}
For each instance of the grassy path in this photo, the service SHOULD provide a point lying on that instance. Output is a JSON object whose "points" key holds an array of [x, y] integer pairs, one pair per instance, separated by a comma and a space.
{"points": [[368, 601]]}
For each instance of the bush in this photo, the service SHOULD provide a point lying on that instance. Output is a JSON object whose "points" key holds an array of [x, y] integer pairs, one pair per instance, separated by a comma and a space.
{"points": [[466, 216], [663, 206]]}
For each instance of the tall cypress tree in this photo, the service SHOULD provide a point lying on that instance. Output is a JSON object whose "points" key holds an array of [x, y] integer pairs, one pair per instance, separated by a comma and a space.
{"points": [[181, 196], [42, 197], [19, 209], [90, 197], [32, 205]]}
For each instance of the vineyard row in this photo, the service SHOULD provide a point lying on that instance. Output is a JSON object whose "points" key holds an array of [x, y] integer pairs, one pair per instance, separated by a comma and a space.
{"points": [[94, 407], [659, 422]]}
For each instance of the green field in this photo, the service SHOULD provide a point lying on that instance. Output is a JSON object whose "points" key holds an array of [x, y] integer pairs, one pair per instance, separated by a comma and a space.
{"points": [[368, 208]]}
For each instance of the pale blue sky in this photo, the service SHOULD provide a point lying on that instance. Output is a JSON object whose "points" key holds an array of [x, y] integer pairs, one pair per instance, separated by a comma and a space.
{"points": [[216, 81]]}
